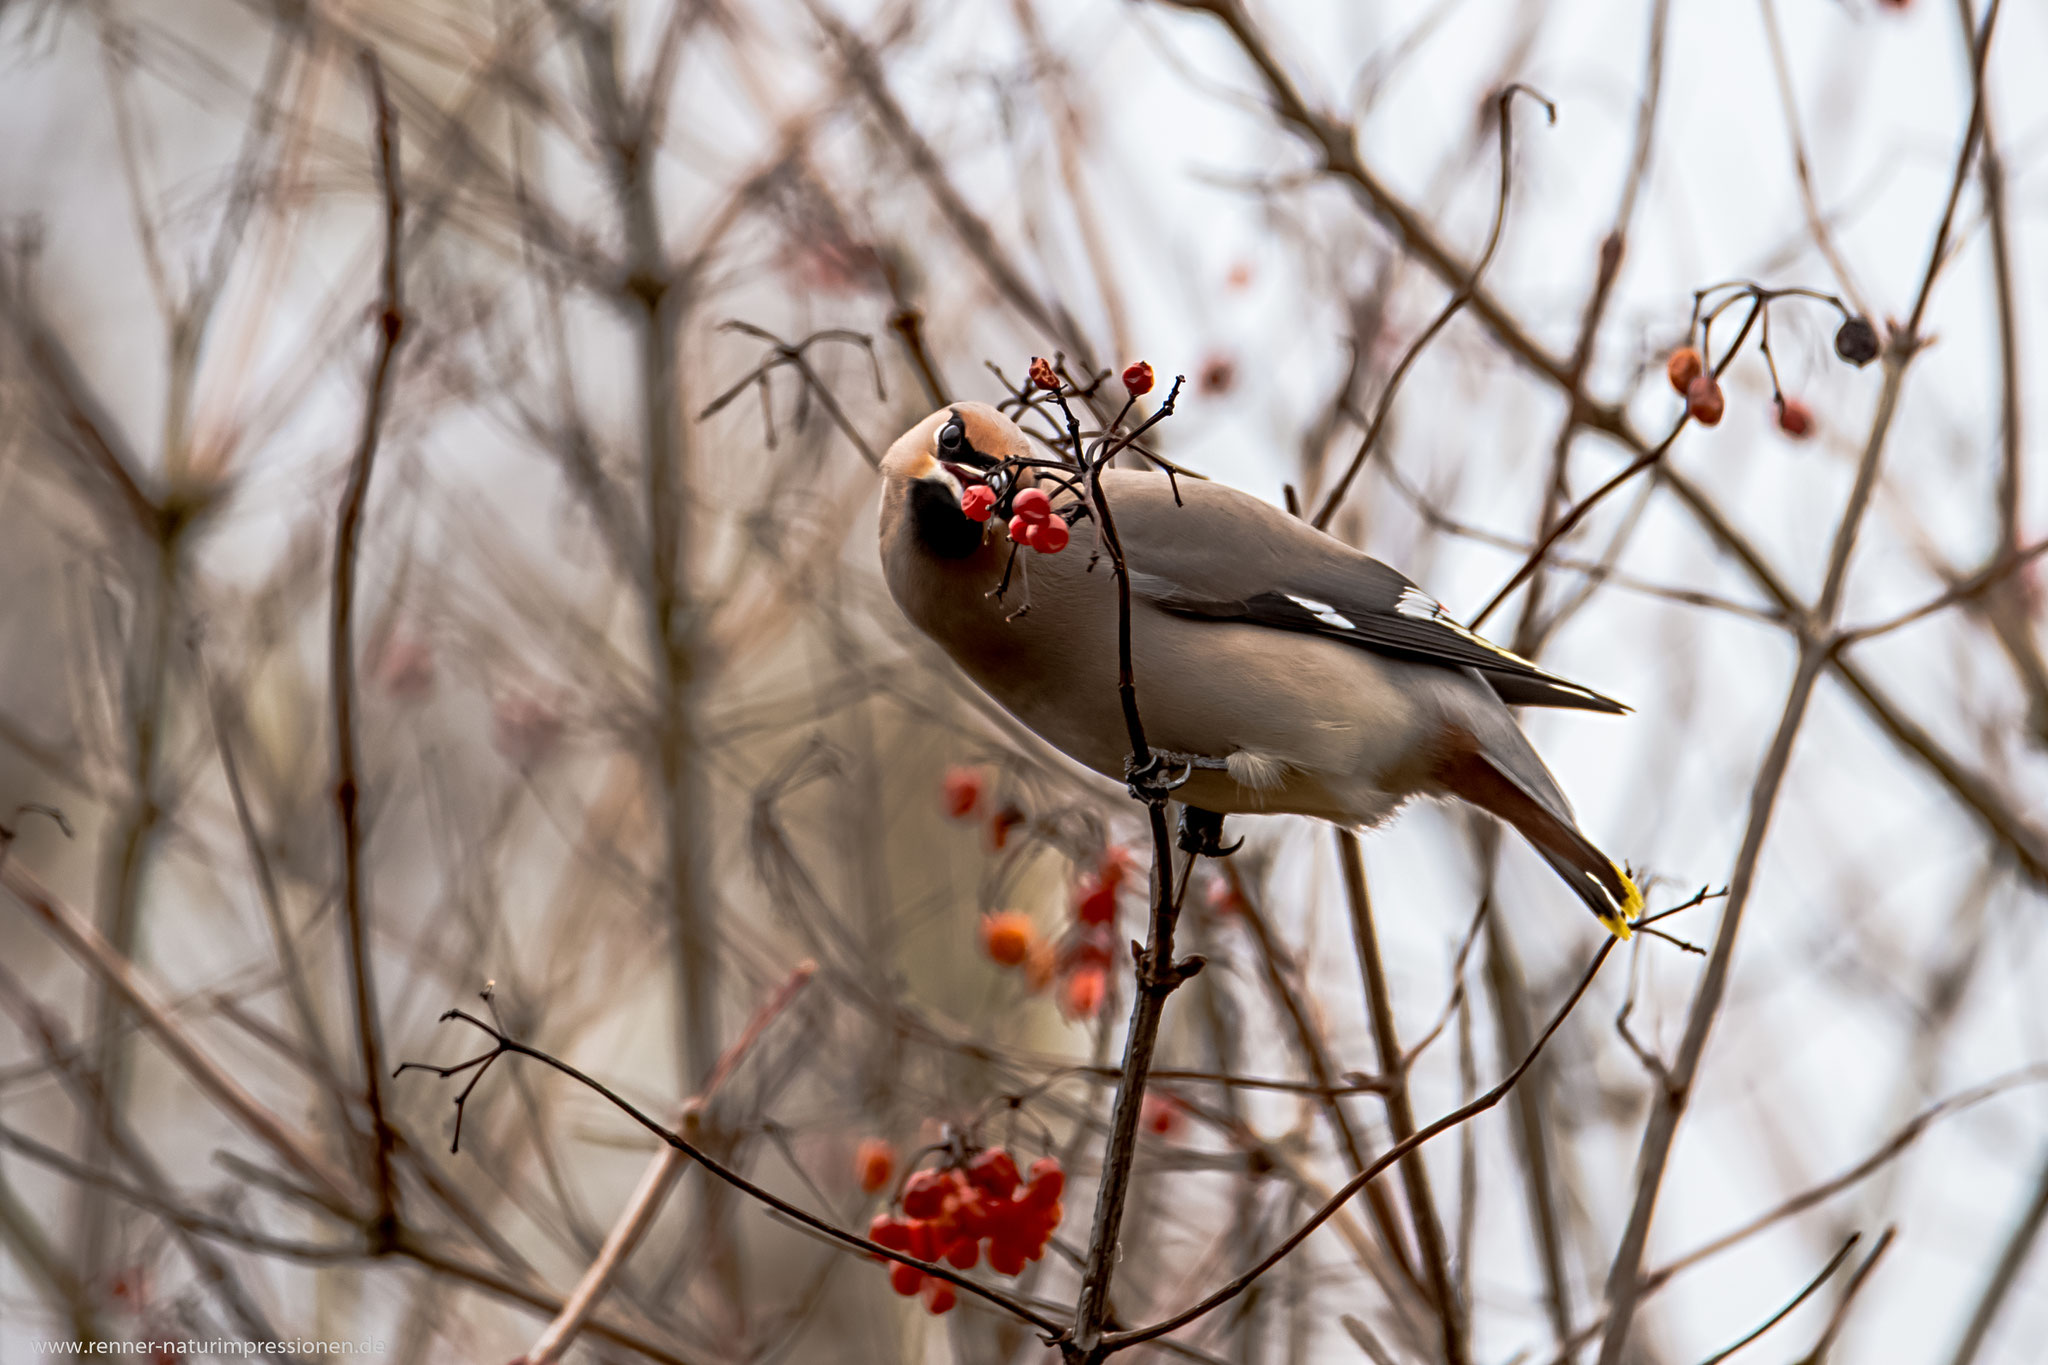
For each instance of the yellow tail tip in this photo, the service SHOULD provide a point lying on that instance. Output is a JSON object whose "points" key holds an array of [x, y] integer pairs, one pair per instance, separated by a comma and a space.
{"points": [[1618, 922]]}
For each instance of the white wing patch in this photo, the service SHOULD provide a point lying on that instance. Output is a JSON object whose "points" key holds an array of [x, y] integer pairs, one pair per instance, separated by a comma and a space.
{"points": [[1418, 605], [1323, 612]]}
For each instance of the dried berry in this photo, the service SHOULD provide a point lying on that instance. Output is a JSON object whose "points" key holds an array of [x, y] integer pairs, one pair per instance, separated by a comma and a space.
{"points": [[1795, 419], [1703, 399], [1137, 379], [1041, 373], [977, 501], [1684, 366], [1006, 937], [1218, 374], [1160, 1114], [1856, 342], [874, 1161], [963, 792]]}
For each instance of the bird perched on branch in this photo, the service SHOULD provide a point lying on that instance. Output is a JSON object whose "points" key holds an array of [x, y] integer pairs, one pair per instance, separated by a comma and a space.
{"points": [[1277, 669]]}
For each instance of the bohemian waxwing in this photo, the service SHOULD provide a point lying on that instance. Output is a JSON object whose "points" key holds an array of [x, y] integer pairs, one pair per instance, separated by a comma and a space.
{"points": [[1286, 671]]}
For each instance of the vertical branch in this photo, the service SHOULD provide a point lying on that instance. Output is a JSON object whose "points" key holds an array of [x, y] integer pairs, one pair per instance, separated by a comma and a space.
{"points": [[341, 653], [2012, 1257], [1422, 1210]]}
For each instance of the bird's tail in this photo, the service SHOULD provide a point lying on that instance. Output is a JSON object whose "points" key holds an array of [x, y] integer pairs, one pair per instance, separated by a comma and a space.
{"points": [[1530, 801]]}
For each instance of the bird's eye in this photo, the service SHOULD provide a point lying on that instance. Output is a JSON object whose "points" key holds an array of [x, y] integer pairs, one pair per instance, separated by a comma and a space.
{"points": [[952, 436]]}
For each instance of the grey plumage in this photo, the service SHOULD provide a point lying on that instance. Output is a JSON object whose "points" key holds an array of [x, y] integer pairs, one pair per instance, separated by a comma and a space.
{"points": [[1328, 684]]}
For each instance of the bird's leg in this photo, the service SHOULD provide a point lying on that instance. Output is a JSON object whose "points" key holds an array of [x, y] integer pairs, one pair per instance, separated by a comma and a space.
{"points": [[1201, 833], [1163, 773]]}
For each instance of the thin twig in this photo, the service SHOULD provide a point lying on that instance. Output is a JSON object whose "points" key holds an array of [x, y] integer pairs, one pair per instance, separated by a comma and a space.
{"points": [[341, 647]]}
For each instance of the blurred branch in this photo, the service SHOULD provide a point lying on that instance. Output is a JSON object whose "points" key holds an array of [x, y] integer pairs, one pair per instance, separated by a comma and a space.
{"points": [[2005, 1271], [1503, 105], [391, 320], [655, 1183], [1379, 1007], [1351, 1187], [83, 942]]}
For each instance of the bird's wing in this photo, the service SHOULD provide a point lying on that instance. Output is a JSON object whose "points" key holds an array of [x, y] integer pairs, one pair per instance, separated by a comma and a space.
{"points": [[1224, 555]]}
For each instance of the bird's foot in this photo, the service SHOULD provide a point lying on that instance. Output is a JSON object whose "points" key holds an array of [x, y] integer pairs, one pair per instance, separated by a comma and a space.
{"points": [[1163, 773], [1201, 833]]}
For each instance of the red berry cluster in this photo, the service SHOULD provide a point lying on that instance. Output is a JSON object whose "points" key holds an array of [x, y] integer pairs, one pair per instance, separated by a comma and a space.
{"points": [[948, 1214], [1032, 522], [1085, 955], [964, 790]]}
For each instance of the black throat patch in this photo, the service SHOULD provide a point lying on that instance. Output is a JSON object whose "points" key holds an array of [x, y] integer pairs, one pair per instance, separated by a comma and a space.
{"points": [[942, 528]]}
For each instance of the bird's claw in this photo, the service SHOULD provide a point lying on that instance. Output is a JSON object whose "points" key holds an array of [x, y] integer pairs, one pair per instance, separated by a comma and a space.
{"points": [[1201, 833], [1156, 778]]}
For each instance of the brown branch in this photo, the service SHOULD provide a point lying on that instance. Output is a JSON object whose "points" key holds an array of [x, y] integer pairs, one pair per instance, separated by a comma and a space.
{"points": [[1350, 1188], [1463, 295], [1663, 1125], [2005, 1271], [1422, 1210], [1826, 1272], [341, 649]]}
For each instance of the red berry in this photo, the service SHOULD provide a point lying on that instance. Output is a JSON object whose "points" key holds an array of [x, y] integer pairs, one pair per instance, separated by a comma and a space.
{"points": [[1222, 897], [1703, 399], [1006, 937], [994, 1173], [977, 500], [939, 1297], [964, 1254], [1041, 373], [923, 1242], [1683, 367], [963, 792], [874, 1161], [905, 1279], [1007, 1258], [1020, 529], [1094, 901], [1032, 504], [1795, 419], [1137, 379], [1116, 865], [1161, 1114], [1048, 1182], [1051, 537], [892, 1233], [1000, 825], [924, 1194]]}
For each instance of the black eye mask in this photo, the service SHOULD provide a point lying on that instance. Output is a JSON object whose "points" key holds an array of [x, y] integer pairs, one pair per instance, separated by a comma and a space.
{"points": [[955, 448]]}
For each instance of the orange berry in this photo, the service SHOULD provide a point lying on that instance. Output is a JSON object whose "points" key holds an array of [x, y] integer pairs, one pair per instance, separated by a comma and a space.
{"points": [[874, 1161], [1684, 366], [1041, 964], [1084, 991], [1007, 937], [1703, 399], [963, 788], [1041, 373]]}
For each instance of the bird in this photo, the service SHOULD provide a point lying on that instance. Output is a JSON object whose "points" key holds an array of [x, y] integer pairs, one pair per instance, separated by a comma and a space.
{"points": [[1276, 668]]}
